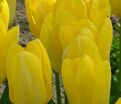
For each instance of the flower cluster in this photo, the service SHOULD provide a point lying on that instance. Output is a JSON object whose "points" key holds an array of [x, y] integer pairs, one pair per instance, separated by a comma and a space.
{"points": [[73, 37], [77, 35]]}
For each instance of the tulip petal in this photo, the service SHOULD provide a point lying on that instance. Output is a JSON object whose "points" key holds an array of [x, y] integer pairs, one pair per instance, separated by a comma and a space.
{"points": [[36, 11], [119, 101], [12, 8], [4, 13], [83, 28], [51, 43], [6, 41], [13, 50], [38, 49], [80, 46], [104, 39], [103, 83]]}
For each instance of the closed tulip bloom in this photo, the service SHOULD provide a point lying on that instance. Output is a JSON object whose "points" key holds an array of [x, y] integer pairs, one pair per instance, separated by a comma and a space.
{"points": [[116, 7], [90, 74], [6, 39], [119, 101], [91, 82], [102, 38], [4, 12], [71, 18], [36, 12], [12, 9], [29, 74]]}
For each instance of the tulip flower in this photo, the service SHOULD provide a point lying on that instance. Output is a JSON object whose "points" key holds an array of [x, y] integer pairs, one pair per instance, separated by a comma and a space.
{"points": [[102, 38], [4, 12], [116, 7], [91, 82], [76, 17], [119, 101], [90, 74], [6, 39], [36, 12], [29, 74], [12, 8]]}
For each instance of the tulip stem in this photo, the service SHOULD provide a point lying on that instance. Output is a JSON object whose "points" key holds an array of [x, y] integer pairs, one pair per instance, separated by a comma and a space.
{"points": [[66, 99], [58, 88]]}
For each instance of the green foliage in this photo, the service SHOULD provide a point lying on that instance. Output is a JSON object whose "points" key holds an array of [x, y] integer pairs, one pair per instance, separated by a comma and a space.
{"points": [[115, 62]]}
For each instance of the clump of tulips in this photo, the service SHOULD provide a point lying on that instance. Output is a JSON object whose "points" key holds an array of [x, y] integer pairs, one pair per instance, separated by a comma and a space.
{"points": [[72, 38]]}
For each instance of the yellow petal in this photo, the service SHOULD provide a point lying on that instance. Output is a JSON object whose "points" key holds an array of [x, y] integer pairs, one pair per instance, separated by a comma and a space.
{"points": [[119, 101], [83, 28], [12, 8], [103, 83], [51, 43], [98, 11], [5, 42], [4, 13], [12, 51], [36, 12], [104, 39], [80, 46], [77, 8], [12, 35], [38, 49]]}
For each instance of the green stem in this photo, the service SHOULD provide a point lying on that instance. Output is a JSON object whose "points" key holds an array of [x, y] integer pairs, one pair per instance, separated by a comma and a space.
{"points": [[66, 99], [58, 88]]}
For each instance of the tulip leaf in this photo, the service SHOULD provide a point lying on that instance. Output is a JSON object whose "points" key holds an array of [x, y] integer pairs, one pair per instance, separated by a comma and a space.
{"points": [[5, 97], [51, 102]]}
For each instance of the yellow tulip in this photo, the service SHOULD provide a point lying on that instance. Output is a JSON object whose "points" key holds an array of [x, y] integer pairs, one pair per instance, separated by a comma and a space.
{"points": [[119, 101], [91, 82], [6, 39], [29, 74], [71, 18], [12, 8], [91, 76], [4, 12], [36, 12], [116, 7]]}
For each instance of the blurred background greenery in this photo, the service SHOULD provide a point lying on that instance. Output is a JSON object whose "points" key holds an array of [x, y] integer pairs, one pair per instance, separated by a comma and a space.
{"points": [[115, 60]]}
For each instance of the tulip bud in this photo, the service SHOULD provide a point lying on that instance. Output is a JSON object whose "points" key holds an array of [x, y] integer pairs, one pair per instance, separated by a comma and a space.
{"points": [[12, 8], [91, 76], [29, 74], [91, 82]]}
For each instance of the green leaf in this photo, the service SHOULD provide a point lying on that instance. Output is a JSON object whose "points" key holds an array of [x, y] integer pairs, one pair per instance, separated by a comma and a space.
{"points": [[5, 97]]}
